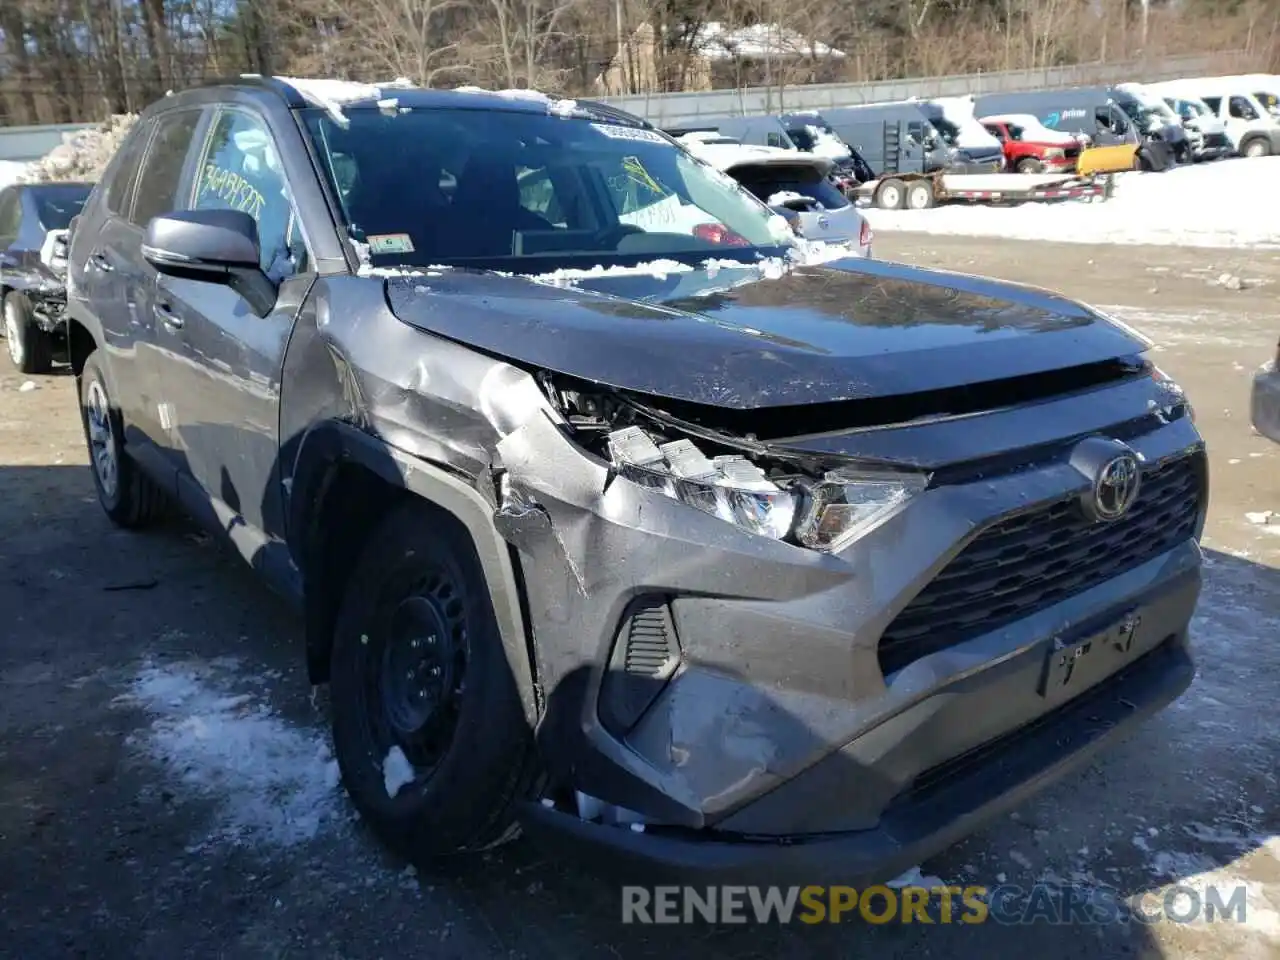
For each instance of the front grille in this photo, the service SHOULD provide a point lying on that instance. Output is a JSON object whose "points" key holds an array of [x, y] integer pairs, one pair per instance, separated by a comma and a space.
{"points": [[1041, 556]]}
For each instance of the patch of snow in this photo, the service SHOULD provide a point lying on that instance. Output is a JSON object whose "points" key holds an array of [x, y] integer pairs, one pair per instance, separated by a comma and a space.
{"points": [[272, 781], [718, 41], [827, 144], [397, 771], [1261, 518], [959, 110], [557, 106], [82, 155], [1180, 207], [786, 196], [912, 877], [332, 95], [27, 386], [10, 171]]}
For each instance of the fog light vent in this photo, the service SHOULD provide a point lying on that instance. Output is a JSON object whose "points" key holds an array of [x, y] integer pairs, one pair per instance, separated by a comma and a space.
{"points": [[645, 655]]}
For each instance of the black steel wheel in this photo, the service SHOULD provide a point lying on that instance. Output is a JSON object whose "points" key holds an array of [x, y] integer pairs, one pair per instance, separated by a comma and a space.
{"points": [[428, 724]]}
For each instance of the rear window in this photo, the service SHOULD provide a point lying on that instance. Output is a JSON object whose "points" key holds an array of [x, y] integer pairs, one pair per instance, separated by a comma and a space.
{"points": [[486, 187], [766, 182], [57, 204]]}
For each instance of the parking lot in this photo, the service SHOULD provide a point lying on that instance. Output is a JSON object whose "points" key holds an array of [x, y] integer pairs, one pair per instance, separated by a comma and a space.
{"points": [[166, 787]]}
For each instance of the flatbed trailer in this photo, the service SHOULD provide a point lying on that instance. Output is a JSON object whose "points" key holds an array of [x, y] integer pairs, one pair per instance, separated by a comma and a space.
{"points": [[920, 191]]}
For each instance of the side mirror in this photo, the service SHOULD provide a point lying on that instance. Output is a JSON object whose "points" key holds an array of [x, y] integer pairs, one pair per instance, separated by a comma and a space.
{"points": [[202, 244], [214, 246]]}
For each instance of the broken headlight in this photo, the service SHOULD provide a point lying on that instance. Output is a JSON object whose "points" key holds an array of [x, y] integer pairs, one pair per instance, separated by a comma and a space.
{"points": [[729, 487], [843, 506], [826, 515]]}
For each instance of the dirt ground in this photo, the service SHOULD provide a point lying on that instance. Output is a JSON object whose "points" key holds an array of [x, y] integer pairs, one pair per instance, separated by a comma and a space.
{"points": [[166, 788]]}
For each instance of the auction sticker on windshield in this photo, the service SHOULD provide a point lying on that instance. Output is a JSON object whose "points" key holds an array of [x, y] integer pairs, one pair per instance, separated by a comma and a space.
{"points": [[618, 132], [390, 243]]}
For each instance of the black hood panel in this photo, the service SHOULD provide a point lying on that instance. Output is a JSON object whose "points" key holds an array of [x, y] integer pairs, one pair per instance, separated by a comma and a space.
{"points": [[734, 338]]}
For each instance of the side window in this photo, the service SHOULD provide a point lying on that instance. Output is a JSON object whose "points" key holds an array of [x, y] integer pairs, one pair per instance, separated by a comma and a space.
{"points": [[119, 193], [915, 131], [996, 131], [1214, 104], [538, 195], [1241, 109], [240, 170], [161, 171], [1103, 116], [10, 216], [773, 140], [1015, 132]]}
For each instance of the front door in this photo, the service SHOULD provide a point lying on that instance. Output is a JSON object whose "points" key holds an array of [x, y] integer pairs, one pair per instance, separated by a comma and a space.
{"points": [[224, 388]]}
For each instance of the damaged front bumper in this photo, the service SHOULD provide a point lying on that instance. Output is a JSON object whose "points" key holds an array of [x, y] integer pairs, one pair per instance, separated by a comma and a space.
{"points": [[727, 705]]}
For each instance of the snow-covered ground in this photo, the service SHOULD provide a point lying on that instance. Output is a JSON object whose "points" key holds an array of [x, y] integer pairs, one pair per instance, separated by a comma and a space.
{"points": [[1231, 203], [9, 170]]}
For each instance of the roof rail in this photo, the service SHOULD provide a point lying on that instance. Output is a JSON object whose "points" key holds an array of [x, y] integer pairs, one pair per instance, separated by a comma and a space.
{"points": [[617, 115], [291, 96]]}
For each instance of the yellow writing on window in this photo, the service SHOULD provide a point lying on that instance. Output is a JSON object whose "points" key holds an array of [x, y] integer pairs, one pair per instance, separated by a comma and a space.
{"points": [[232, 189]]}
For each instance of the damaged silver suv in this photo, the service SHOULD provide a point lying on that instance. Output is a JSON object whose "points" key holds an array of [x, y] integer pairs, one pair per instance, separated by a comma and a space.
{"points": [[614, 512]]}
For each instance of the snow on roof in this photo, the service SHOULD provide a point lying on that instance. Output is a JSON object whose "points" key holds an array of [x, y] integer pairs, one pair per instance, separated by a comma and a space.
{"points": [[726, 156], [716, 41], [332, 95]]}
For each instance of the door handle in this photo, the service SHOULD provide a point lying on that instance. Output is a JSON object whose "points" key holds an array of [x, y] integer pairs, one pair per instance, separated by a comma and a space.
{"points": [[166, 316], [100, 261]]}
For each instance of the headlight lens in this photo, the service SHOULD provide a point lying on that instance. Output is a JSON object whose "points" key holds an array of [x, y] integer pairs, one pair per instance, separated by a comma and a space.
{"points": [[731, 488], [845, 506], [826, 515]]}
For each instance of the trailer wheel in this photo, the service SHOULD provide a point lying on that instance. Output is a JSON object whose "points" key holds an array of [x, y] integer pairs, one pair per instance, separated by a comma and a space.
{"points": [[892, 195], [920, 195]]}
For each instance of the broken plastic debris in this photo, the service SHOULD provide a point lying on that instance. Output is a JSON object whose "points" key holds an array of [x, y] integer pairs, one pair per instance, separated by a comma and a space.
{"points": [[397, 771], [1262, 517]]}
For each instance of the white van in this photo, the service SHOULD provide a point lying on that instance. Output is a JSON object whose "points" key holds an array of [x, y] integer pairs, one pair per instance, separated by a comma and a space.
{"points": [[1250, 126], [1206, 133]]}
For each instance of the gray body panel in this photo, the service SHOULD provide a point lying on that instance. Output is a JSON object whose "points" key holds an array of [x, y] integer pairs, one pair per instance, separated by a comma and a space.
{"points": [[432, 385]]}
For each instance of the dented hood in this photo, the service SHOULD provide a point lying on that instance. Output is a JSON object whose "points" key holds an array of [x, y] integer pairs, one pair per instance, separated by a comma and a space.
{"points": [[737, 338]]}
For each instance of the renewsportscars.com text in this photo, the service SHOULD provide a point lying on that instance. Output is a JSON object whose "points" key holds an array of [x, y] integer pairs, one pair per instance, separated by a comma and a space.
{"points": [[1007, 904]]}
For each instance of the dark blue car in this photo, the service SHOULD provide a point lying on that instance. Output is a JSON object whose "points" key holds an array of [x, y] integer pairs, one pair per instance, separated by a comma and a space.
{"points": [[34, 220]]}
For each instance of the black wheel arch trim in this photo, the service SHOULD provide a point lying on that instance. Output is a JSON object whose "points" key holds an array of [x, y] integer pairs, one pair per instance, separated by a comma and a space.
{"points": [[329, 444]]}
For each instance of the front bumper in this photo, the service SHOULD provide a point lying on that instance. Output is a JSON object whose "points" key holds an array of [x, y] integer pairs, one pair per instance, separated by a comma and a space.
{"points": [[771, 731], [1264, 402], [920, 825]]}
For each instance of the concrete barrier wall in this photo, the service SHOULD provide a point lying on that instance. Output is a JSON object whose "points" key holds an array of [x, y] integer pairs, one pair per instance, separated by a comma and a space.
{"points": [[32, 143], [671, 108]]}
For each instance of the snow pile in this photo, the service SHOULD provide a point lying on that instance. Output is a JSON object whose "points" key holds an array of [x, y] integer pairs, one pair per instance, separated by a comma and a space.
{"points": [[719, 41], [959, 110], [82, 155], [827, 144], [10, 171], [1206, 205], [272, 781], [1033, 131]]}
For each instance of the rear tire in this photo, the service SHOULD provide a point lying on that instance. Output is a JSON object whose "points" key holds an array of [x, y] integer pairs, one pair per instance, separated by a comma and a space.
{"points": [[127, 495], [419, 665], [892, 195], [30, 348], [1030, 165]]}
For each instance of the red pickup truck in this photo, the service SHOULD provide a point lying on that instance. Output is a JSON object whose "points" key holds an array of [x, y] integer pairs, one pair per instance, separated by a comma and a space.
{"points": [[1031, 147]]}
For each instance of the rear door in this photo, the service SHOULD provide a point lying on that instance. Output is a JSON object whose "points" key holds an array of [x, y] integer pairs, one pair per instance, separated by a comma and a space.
{"points": [[142, 334]]}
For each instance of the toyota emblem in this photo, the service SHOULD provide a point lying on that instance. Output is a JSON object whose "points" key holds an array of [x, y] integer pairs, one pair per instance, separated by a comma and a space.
{"points": [[1114, 472]]}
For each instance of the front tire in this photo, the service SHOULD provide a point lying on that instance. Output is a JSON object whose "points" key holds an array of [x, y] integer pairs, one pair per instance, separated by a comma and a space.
{"points": [[30, 348], [127, 495], [420, 674], [1030, 165]]}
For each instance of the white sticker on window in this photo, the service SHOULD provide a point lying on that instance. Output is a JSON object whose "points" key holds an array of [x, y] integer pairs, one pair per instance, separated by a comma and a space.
{"points": [[390, 243], [616, 131]]}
